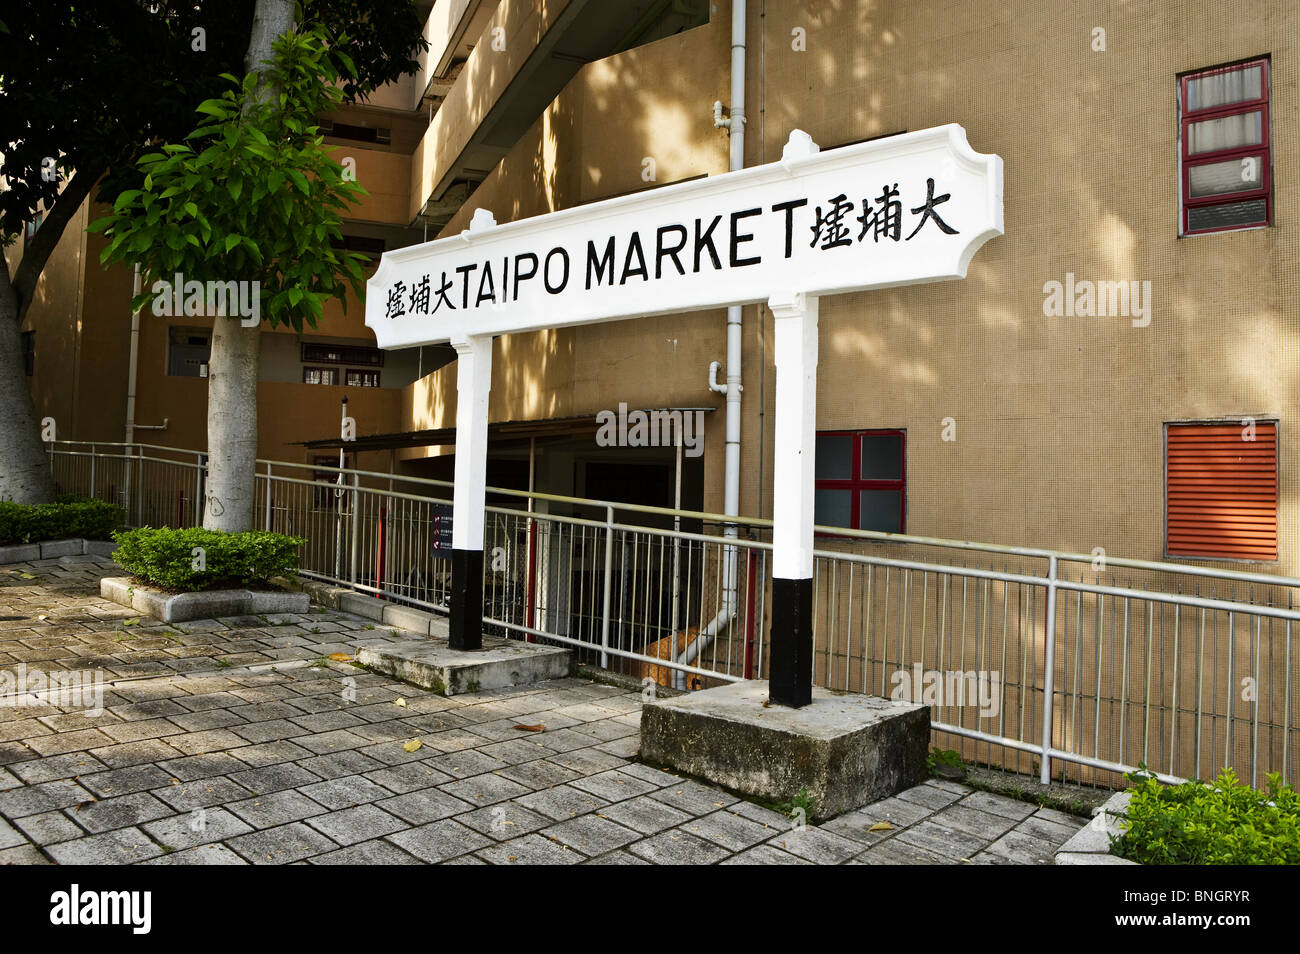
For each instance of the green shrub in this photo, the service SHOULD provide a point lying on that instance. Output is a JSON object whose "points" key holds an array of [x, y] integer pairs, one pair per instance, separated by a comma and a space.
{"points": [[198, 559], [68, 517], [1224, 823]]}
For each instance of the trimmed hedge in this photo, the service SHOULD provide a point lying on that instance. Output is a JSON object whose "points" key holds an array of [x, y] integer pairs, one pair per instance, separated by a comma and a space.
{"points": [[68, 517], [1226, 823], [198, 559]]}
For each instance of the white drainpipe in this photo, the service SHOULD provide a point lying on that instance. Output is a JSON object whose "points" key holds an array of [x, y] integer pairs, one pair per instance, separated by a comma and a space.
{"points": [[731, 474], [131, 366]]}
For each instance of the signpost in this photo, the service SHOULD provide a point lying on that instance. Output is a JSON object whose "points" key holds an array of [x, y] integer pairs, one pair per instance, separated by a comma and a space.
{"points": [[897, 211]]}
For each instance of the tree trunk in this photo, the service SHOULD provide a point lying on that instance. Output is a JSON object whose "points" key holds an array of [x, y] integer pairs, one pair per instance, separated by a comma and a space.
{"points": [[233, 365], [24, 470]]}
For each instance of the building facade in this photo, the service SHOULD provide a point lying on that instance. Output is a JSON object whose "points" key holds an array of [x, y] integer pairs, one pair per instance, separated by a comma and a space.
{"points": [[1115, 372]]}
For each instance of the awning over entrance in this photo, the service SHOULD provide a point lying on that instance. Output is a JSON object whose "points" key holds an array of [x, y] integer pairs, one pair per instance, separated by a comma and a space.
{"points": [[500, 431]]}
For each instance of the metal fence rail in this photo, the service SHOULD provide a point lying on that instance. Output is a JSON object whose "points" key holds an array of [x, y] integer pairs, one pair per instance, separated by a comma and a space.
{"points": [[1031, 659]]}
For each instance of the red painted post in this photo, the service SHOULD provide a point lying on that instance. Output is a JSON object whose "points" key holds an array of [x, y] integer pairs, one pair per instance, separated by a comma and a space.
{"points": [[751, 624], [531, 587], [379, 558]]}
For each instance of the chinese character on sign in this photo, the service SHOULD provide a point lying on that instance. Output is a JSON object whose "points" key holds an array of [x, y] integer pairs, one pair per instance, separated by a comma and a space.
{"points": [[885, 219], [396, 308], [443, 288], [420, 296], [927, 210], [830, 229]]}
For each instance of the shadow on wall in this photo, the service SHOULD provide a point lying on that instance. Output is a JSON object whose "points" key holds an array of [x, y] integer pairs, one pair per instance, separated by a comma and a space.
{"points": [[1071, 407]]}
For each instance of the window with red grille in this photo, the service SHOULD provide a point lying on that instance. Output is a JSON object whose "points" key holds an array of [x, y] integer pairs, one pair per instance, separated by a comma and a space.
{"points": [[1225, 148], [1221, 490], [861, 480]]}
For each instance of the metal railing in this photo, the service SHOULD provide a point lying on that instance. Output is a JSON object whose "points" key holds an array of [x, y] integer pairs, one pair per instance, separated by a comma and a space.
{"points": [[1068, 665]]}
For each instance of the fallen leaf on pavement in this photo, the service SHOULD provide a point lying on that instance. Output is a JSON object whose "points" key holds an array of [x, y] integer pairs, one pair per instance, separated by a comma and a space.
{"points": [[881, 826], [531, 728], [340, 657], [413, 745]]}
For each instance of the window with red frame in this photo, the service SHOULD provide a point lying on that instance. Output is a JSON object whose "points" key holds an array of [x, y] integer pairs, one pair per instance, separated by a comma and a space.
{"points": [[861, 480], [1225, 148]]}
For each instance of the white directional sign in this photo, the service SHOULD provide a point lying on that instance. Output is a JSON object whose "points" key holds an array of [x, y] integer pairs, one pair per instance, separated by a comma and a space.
{"points": [[895, 211]]}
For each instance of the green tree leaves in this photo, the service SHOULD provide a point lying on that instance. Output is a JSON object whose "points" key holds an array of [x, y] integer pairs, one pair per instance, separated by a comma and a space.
{"points": [[252, 194]]}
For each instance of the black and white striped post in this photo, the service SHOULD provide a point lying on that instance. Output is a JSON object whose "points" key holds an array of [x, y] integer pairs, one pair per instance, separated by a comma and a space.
{"points": [[790, 676], [473, 385]]}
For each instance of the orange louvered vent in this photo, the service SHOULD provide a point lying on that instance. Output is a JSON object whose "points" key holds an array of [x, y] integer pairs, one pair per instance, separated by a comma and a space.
{"points": [[1221, 490]]}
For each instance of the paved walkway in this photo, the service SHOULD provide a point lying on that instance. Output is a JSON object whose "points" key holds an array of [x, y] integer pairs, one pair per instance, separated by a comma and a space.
{"points": [[235, 741]]}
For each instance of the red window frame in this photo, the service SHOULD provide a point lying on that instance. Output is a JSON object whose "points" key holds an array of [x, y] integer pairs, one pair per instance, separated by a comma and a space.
{"points": [[856, 482], [1264, 150]]}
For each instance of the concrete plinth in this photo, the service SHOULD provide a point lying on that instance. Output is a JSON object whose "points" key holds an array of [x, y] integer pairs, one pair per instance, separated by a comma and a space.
{"points": [[432, 664], [203, 604], [847, 750]]}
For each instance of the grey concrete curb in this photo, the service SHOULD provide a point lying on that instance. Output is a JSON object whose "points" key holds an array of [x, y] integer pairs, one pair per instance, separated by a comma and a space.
{"points": [[49, 549], [1090, 845], [209, 604], [402, 617]]}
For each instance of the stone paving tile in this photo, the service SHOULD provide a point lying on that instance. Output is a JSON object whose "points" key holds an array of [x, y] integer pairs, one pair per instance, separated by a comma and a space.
{"points": [[23, 855], [590, 834], [538, 774], [438, 841], [505, 820], [588, 760], [349, 826], [531, 850], [729, 830], [816, 845], [120, 847], [619, 857], [895, 852], [985, 826], [196, 767], [212, 854], [999, 805], [281, 846], [694, 798], [9, 837], [44, 829], [645, 815], [274, 778], [931, 835], [424, 805], [48, 796], [677, 847], [193, 764], [55, 767], [562, 801], [484, 789], [187, 796], [613, 786], [119, 812], [345, 792], [375, 852], [198, 827], [929, 797], [1046, 829], [408, 777], [278, 808], [765, 855], [125, 781], [1024, 849]]}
